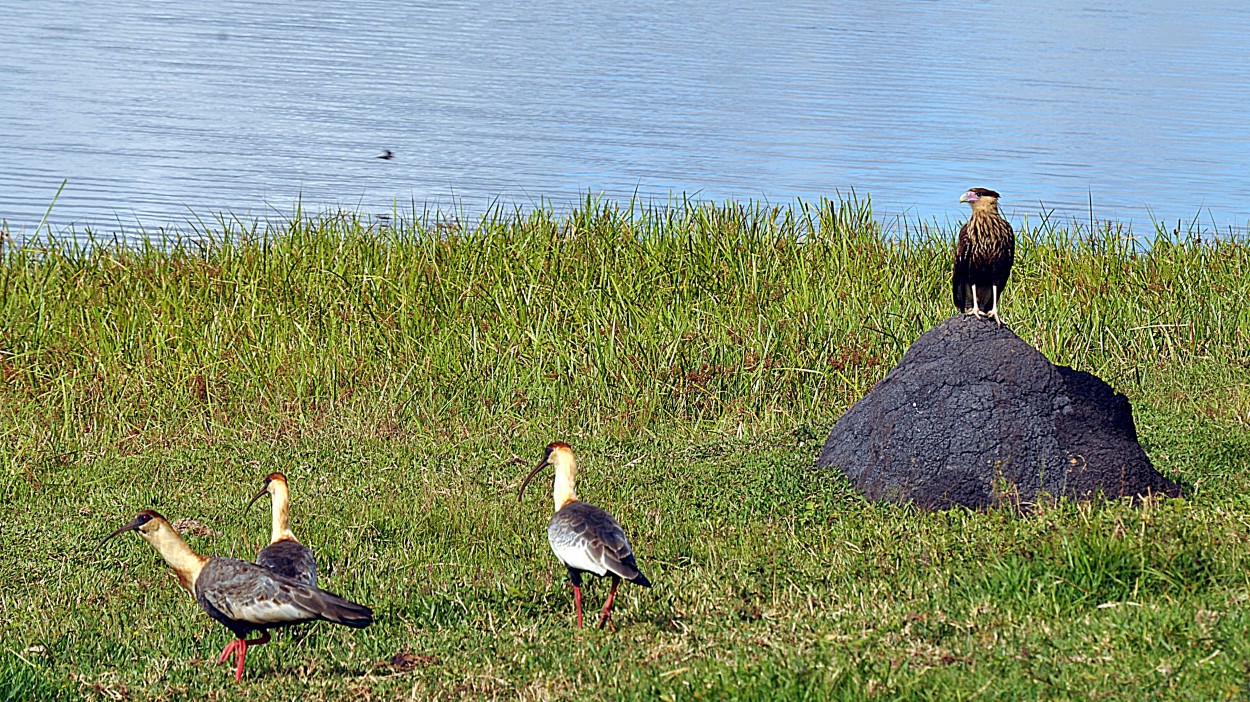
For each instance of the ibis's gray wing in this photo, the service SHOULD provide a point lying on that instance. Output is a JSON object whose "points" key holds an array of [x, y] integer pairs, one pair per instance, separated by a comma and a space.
{"points": [[587, 538], [290, 559], [246, 592]]}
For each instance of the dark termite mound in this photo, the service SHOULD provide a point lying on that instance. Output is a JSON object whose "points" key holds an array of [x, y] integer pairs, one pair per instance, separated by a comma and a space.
{"points": [[972, 415]]}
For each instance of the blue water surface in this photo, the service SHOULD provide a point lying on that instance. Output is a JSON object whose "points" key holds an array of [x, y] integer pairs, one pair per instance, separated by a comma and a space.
{"points": [[156, 114]]}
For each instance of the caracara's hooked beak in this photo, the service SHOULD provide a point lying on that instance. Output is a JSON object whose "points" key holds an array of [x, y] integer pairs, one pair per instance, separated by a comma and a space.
{"points": [[263, 491], [969, 197], [132, 525], [541, 464]]}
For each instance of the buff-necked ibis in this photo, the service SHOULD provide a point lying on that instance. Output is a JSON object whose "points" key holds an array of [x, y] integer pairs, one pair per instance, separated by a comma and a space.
{"points": [[284, 555], [243, 596], [585, 538]]}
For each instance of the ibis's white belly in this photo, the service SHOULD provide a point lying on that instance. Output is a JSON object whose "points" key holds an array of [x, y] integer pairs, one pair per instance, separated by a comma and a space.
{"points": [[573, 552]]}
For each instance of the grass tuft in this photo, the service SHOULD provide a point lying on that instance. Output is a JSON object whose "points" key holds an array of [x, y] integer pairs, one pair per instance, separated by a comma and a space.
{"points": [[404, 374]]}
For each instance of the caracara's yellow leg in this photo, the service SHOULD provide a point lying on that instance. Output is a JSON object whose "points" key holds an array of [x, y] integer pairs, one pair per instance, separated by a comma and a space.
{"points": [[994, 307], [976, 304]]}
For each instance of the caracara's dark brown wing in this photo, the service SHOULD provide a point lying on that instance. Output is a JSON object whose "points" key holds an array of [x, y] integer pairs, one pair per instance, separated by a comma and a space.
{"points": [[1000, 270], [961, 286]]}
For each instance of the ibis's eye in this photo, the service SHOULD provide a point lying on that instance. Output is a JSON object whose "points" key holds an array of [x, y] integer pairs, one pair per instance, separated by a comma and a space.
{"points": [[145, 518]]}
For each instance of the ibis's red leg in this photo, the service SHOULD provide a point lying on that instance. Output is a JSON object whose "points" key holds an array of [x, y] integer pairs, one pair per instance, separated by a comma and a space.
{"points": [[264, 639], [577, 600], [239, 648], [225, 652], [607, 608]]}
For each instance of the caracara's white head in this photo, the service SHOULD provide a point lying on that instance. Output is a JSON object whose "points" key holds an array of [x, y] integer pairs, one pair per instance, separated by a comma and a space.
{"points": [[981, 199]]}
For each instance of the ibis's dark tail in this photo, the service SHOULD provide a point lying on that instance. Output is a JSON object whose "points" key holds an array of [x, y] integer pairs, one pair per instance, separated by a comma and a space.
{"points": [[626, 568], [339, 610]]}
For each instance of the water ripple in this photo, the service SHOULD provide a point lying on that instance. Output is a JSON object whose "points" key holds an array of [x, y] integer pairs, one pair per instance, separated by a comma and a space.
{"points": [[157, 114]]}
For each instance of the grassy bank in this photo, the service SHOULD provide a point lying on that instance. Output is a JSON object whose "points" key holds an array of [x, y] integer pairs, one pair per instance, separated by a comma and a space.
{"points": [[695, 357]]}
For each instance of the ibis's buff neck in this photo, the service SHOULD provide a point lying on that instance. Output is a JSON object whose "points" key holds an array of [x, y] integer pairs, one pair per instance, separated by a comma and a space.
{"points": [[566, 470], [186, 563], [281, 497]]}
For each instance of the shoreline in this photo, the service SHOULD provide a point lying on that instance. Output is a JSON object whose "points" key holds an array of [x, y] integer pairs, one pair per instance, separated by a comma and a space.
{"points": [[219, 224]]}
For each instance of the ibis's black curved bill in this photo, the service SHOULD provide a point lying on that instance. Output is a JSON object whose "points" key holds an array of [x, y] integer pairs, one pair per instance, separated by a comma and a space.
{"points": [[262, 492], [132, 525], [258, 495], [528, 478]]}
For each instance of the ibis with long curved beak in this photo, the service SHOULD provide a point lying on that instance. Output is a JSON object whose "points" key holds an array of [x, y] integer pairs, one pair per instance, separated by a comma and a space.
{"points": [[284, 555], [242, 596], [585, 538]]}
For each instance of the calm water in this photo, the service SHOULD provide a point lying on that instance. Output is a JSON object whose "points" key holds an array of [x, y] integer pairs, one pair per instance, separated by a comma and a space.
{"points": [[159, 112]]}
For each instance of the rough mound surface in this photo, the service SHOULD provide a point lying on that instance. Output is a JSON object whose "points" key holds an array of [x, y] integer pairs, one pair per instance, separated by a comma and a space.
{"points": [[973, 415]]}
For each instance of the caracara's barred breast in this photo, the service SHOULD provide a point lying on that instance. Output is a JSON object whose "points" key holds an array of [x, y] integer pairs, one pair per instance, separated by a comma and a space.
{"points": [[983, 257]]}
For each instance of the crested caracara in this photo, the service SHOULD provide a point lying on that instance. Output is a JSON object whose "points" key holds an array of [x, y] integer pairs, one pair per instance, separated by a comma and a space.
{"points": [[983, 255]]}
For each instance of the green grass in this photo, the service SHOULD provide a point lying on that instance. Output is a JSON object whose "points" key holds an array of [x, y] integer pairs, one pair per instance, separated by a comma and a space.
{"points": [[406, 376]]}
